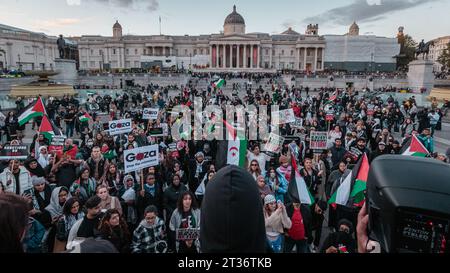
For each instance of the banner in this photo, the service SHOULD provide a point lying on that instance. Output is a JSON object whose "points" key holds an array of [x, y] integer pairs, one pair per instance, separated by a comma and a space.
{"points": [[150, 113], [286, 116], [58, 141], [318, 140], [274, 143], [140, 158], [117, 127], [14, 152], [184, 234]]}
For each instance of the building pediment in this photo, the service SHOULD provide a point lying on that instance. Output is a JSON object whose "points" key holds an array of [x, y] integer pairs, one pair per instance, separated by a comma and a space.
{"points": [[234, 37]]}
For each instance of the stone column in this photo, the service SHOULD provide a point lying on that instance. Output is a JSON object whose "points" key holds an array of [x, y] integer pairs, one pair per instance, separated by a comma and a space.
{"points": [[245, 57], [304, 58], [270, 58], [231, 55], [217, 55], [251, 56], [223, 56], [315, 60], [323, 59], [238, 59]]}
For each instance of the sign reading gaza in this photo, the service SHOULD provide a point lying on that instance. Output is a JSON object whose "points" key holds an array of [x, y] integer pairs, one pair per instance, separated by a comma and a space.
{"points": [[14, 152], [142, 157], [117, 127], [150, 113]]}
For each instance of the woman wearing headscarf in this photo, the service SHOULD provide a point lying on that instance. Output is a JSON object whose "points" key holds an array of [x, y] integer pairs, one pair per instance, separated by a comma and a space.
{"points": [[57, 201], [128, 198], [35, 169], [84, 186], [198, 169], [43, 157]]}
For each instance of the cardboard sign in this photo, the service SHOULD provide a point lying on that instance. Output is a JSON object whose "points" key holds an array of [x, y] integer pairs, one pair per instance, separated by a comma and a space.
{"points": [[329, 115], [318, 140], [150, 113], [14, 152], [117, 127], [274, 143], [140, 158], [286, 116], [165, 128], [184, 234], [298, 123]]}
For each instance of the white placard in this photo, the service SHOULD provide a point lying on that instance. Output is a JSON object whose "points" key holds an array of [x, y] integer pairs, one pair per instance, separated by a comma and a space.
{"points": [[150, 113], [117, 127], [140, 158], [286, 116], [274, 143]]}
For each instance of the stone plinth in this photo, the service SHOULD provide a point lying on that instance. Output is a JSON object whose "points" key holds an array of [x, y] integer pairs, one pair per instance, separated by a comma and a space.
{"points": [[67, 71], [420, 76]]}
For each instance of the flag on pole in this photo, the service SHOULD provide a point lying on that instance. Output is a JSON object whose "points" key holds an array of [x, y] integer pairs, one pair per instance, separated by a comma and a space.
{"points": [[342, 194], [297, 187], [85, 118], [218, 84], [357, 178], [48, 129], [415, 148], [36, 109]]}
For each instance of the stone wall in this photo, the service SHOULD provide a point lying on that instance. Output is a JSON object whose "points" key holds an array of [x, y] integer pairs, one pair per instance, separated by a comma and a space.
{"points": [[358, 83]]}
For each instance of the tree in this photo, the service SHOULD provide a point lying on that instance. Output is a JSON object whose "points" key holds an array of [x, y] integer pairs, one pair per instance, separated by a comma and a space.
{"points": [[444, 58], [407, 52]]}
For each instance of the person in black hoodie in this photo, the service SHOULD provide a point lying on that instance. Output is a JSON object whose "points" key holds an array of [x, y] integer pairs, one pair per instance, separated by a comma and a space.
{"points": [[34, 168], [340, 241], [150, 195], [231, 200]]}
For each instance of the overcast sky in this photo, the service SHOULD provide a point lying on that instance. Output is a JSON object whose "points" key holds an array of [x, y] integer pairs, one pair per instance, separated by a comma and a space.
{"points": [[423, 19]]}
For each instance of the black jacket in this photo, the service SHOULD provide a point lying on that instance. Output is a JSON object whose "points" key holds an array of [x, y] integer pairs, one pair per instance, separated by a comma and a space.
{"points": [[148, 199], [171, 196], [232, 214], [337, 154]]}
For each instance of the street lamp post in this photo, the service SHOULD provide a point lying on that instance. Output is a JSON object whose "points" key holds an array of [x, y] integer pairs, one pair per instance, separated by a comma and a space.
{"points": [[20, 64]]}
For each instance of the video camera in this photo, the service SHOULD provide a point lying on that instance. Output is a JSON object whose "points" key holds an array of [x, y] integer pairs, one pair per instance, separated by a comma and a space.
{"points": [[408, 201]]}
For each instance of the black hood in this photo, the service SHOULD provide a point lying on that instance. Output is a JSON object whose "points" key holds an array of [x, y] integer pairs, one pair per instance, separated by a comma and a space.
{"points": [[232, 214]]}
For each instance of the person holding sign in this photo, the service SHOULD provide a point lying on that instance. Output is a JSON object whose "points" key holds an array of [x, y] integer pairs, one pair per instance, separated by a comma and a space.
{"points": [[185, 217]]}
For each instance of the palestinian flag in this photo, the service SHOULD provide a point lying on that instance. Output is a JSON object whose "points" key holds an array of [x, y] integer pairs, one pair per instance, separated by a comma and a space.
{"points": [[340, 197], [35, 109], [218, 84], [357, 178], [332, 99], [359, 175], [297, 187], [48, 129], [237, 147], [415, 148], [85, 118]]}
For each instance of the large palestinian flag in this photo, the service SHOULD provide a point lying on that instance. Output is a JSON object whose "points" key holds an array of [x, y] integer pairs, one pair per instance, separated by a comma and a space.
{"points": [[415, 148], [353, 185], [297, 187], [35, 109], [48, 129], [85, 117]]}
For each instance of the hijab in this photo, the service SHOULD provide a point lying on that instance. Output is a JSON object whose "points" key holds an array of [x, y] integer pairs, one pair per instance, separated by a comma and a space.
{"points": [[54, 207]]}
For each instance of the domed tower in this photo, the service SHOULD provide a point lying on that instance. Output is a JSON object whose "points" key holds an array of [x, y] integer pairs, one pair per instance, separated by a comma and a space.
{"points": [[117, 30], [312, 29], [354, 30], [234, 23]]}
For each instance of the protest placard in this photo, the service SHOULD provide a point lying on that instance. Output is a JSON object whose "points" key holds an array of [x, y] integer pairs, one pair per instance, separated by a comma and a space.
{"points": [[184, 234], [318, 140], [18, 152], [142, 157], [285, 116], [274, 143], [117, 127], [150, 113]]}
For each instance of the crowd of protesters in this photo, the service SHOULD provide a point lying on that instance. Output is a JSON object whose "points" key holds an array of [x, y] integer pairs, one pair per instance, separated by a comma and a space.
{"points": [[82, 191]]}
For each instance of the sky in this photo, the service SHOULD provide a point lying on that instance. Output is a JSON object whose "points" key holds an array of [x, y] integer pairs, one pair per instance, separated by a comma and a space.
{"points": [[422, 19]]}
